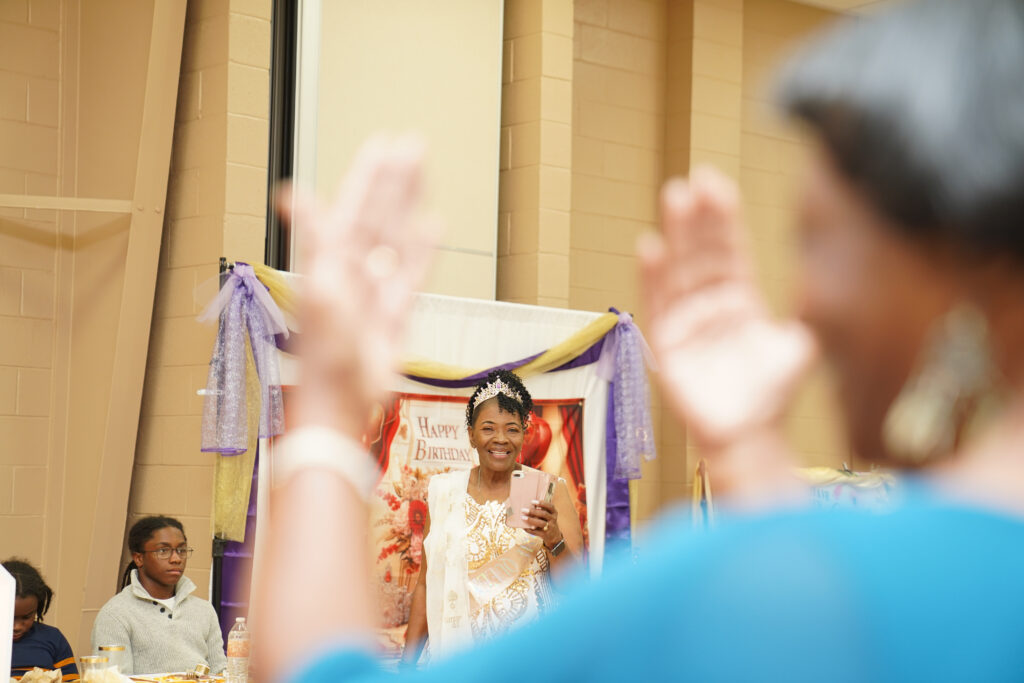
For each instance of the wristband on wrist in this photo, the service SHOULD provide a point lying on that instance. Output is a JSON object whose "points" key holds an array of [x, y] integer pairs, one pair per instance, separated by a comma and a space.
{"points": [[308, 448]]}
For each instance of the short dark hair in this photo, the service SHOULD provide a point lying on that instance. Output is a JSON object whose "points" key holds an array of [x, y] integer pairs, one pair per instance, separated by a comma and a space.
{"points": [[922, 108], [507, 403], [141, 532], [29, 582]]}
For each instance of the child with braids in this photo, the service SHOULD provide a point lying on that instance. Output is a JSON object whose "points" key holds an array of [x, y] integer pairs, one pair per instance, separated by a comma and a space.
{"points": [[36, 644], [162, 626]]}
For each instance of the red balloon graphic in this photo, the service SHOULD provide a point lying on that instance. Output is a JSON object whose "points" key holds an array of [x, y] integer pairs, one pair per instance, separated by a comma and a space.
{"points": [[535, 447]]}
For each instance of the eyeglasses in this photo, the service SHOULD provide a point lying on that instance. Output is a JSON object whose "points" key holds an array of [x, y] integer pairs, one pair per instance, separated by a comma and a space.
{"points": [[164, 553]]}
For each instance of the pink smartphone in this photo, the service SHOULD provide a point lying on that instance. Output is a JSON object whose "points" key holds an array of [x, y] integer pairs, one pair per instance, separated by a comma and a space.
{"points": [[527, 486]]}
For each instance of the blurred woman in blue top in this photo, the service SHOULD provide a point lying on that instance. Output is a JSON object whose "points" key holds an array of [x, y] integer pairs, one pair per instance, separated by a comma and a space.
{"points": [[910, 287]]}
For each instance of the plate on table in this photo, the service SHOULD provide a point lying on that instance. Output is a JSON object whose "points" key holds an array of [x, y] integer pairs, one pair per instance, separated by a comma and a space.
{"points": [[177, 677]]}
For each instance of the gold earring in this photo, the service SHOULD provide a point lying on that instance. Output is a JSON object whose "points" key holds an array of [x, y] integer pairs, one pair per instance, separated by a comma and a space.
{"points": [[945, 395]]}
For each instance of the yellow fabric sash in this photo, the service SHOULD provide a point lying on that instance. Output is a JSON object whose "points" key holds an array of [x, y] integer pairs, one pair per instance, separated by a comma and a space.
{"points": [[559, 354], [563, 352], [232, 474], [280, 291]]}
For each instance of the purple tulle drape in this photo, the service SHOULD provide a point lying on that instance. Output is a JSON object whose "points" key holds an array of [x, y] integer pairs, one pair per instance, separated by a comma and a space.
{"points": [[623, 362], [616, 502], [244, 308]]}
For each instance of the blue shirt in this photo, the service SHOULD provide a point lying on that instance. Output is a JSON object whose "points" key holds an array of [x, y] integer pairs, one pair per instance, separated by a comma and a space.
{"points": [[46, 647], [928, 591]]}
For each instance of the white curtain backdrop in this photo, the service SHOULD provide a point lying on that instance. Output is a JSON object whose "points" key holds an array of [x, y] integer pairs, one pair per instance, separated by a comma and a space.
{"points": [[477, 334]]}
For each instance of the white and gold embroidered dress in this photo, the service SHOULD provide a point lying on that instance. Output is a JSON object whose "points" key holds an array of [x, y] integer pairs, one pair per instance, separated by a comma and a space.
{"points": [[483, 577]]}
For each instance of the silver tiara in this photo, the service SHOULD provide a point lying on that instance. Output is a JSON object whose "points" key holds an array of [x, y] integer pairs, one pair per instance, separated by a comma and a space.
{"points": [[493, 389]]}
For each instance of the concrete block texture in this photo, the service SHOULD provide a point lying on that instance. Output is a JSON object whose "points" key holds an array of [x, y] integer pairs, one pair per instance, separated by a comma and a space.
{"points": [[216, 207]]}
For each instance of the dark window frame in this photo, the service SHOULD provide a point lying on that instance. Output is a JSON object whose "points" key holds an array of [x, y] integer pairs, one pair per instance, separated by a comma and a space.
{"points": [[281, 159]]}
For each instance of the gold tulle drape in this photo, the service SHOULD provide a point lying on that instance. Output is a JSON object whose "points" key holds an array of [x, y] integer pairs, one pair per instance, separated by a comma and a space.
{"points": [[232, 480]]}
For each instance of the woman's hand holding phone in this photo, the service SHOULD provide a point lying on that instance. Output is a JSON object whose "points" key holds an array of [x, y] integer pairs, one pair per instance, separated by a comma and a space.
{"points": [[530, 505]]}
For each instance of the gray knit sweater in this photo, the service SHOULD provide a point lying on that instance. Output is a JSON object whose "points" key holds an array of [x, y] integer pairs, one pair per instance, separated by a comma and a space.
{"points": [[158, 639]]}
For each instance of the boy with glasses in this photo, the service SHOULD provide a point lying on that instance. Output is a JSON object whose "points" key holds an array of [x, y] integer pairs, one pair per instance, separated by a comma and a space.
{"points": [[162, 626]]}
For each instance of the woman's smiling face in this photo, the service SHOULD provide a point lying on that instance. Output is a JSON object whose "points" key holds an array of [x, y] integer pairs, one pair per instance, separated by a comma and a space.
{"points": [[497, 436]]}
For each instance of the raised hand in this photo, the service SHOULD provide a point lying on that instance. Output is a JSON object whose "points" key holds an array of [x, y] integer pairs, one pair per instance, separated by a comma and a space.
{"points": [[728, 369], [363, 256]]}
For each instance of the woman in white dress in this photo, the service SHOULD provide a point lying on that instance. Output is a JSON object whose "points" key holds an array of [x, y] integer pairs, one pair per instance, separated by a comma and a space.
{"points": [[480, 576]]}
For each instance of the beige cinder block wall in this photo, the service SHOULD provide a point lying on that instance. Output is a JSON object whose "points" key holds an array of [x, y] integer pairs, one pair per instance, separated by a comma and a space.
{"points": [[29, 162], [88, 132], [620, 92], [534, 199], [658, 86], [770, 167], [216, 206], [582, 155]]}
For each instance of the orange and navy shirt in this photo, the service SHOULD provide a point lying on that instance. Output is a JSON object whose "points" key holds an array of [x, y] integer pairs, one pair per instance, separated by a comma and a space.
{"points": [[46, 647]]}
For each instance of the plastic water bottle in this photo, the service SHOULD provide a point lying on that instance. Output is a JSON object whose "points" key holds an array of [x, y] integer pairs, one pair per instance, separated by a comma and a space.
{"points": [[238, 652]]}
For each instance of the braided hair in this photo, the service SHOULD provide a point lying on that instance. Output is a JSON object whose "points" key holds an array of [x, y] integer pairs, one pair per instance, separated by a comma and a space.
{"points": [[506, 403], [28, 582], [141, 532]]}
